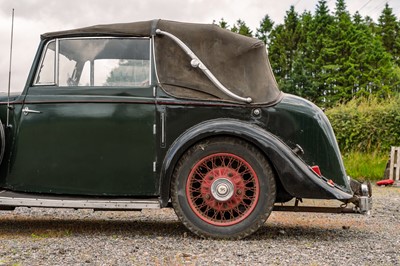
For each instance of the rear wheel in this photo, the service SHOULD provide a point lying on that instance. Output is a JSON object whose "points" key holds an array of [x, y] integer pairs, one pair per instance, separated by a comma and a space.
{"points": [[223, 188]]}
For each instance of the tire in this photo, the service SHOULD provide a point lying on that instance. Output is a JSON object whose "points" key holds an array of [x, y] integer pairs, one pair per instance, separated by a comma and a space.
{"points": [[223, 188]]}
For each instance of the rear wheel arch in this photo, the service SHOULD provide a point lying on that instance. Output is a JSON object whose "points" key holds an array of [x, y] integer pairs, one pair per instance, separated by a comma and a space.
{"points": [[211, 130]]}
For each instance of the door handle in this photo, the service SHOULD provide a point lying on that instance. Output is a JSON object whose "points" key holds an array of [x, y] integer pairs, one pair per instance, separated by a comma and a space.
{"points": [[26, 111]]}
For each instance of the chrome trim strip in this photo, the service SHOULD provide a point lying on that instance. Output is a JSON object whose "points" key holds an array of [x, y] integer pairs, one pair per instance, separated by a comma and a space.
{"points": [[81, 204], [196, 62], [162, 129], [150, 63], [154, 59], [57, 63]]}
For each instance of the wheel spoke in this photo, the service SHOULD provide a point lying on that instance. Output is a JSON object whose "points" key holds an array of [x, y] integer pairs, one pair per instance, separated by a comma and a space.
{"points": [[227, 168], [231, 213]]}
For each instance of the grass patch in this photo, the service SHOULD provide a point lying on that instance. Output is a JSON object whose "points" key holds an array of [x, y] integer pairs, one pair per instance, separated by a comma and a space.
{"points": [[51, 234], [365, 166]]}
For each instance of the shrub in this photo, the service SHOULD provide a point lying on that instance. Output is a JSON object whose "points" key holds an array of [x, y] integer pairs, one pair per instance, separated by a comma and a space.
{"points": [[367, 125]]}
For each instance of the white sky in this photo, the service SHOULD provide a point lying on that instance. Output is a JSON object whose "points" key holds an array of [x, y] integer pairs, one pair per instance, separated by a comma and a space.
{"points": [[33, 17]]}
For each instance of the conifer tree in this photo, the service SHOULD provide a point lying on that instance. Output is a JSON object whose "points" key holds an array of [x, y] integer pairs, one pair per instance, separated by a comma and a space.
{"points": [[303, 66], [284, 45], [241, 28], [223, 24], [389, 31], [338, 73], [263, 32], [311, 58]]}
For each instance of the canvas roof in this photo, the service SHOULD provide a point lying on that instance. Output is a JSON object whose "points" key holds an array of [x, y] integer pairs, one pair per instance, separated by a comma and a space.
{"points": [[240, 63]]}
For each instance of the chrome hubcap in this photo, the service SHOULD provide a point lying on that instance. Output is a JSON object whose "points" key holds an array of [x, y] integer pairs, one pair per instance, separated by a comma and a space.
{"points": [[222, 189]]}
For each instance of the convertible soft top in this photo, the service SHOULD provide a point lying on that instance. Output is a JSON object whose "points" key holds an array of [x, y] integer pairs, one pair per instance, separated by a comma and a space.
{"points": [[240, 63]]}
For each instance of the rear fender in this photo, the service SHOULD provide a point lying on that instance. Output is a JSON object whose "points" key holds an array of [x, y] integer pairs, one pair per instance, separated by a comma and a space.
{"points": [[295, 175]]}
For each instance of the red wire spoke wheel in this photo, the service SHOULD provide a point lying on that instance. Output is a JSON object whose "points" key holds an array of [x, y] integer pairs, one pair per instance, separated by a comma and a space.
{"points": [[222, 189]]}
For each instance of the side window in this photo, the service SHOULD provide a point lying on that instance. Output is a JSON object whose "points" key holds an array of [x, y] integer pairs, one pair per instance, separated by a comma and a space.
{"points": [[97, 62], [121, 72], [46, 74]]}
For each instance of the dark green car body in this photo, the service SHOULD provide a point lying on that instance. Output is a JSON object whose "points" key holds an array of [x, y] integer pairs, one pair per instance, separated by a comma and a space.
{"points": [[89, 145], [113, 140]]}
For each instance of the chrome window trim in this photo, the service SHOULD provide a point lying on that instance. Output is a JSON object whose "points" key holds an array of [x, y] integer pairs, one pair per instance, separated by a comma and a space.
{"points": [[57, 63], [150, 62], [154, 58]]}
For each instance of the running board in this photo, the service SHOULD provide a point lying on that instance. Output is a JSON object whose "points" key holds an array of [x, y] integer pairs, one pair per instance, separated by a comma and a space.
{"points": [[9, 200]]}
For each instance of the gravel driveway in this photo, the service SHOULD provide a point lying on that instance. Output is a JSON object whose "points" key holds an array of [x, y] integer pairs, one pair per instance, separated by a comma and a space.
{"points": [[83, 237]]}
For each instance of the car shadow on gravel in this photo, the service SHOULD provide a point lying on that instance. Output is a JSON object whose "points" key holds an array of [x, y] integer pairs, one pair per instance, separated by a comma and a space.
{"points": [[305, 233], [65, 227], [46, 228]]}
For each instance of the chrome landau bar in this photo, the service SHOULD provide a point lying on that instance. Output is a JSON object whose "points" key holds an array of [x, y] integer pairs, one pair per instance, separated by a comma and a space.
{"points": [[196, 62]]}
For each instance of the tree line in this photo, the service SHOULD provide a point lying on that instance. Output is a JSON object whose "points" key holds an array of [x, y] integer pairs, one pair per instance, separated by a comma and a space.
{"points": [[331, 56]]}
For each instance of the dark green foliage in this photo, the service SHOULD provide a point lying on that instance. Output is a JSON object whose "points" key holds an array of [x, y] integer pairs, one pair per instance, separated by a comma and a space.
{"points": [[353, 61], [367, 125], [266, 26], [389, 31], [332, 57], [283, 50], [222, 23], [241, 28]]}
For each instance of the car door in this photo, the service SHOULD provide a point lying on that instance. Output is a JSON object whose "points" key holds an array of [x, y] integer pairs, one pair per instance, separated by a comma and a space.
{"points": [[87, 121]]}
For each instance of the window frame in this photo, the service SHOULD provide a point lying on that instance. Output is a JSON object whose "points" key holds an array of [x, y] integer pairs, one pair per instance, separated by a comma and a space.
{"points": [[56, 82]]}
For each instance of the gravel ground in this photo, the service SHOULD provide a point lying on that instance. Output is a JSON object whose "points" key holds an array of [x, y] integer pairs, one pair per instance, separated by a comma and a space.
{"points": [[155, 237]]}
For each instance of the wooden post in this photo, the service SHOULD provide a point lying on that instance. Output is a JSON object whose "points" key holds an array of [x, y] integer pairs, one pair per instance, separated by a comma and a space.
{"points": [[394, 168]]}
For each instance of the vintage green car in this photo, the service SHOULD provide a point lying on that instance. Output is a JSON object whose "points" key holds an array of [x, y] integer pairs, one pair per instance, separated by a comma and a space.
{"points": [[161, 114]]}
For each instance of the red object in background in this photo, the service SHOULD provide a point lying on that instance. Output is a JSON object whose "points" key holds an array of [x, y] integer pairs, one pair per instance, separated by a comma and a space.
{"points": [[385, 182], [316, 170]]}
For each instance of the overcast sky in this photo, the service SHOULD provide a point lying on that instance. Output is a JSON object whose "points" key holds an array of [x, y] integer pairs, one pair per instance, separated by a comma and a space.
{"points": [[33, 17]]}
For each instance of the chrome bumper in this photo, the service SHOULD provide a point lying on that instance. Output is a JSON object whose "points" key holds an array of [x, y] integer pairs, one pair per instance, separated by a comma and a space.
{"points": [[364, 205], [363, 202]]}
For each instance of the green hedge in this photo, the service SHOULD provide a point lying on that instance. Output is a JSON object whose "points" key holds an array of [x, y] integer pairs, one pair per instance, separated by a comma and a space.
{"points": [[368, 125]]}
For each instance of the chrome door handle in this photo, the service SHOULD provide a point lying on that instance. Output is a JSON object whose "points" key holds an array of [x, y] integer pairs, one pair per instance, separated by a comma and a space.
{"points": [[26, 111]]}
